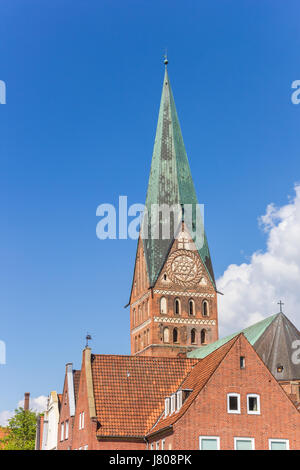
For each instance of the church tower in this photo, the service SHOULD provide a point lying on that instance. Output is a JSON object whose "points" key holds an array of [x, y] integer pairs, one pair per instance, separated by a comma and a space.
{"points": [[173, 301]]}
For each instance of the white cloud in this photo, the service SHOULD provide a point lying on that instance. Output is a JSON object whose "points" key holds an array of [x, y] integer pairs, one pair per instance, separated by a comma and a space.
{"points": [[252, 290], [5, 416], [37, 404]]}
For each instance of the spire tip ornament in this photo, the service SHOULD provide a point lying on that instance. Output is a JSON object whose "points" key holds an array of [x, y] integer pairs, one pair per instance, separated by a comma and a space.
{"points": [[166, 58]]}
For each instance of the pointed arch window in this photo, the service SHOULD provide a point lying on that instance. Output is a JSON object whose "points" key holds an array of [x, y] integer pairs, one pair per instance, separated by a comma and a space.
{"points": [[203, 336], [205, 308], [177, 307], [166, 335], [175, 335], [163, 305], [191, 307], [193, 336]]}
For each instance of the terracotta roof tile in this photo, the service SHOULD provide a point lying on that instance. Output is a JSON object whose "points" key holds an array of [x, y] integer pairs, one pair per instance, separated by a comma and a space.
{"points": [[130, 390], [195, 381]]}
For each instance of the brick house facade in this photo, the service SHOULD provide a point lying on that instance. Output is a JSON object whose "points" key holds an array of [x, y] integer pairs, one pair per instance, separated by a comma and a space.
{"points": [[123, 401]]}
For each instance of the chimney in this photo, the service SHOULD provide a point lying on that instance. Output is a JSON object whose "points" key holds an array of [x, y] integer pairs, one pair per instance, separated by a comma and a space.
{"points": [[26, 401]]}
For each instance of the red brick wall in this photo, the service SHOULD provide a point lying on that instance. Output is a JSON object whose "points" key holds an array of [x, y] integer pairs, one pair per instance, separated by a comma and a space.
{"points": [[63, 417], [208, 415], [141, 296]]}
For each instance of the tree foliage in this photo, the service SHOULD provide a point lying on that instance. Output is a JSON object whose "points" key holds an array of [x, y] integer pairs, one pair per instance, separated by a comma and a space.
{"points": [[21, 431]]}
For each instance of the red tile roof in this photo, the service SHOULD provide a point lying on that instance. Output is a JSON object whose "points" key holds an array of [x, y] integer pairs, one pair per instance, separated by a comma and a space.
{"points": [[195, 381], [3, 433], [130, 391]]}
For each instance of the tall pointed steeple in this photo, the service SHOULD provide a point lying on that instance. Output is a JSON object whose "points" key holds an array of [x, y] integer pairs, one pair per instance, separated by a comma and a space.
{"points": [[173, 301], [170, 181]]}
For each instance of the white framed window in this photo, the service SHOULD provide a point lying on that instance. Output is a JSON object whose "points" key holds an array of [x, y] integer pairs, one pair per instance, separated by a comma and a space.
{"points": [[178, 400], [81, 420], [62, 431], [253, 404], [244, 443], [157, 445], [233, 403], [67, 430], [279, 444], [86, 447], [163, 442], [173, 403], [151, 446], [209, 443], [167, 406]]}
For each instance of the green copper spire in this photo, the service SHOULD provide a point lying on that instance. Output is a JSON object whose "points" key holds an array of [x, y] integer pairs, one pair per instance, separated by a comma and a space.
{"points": [[170, 181]]}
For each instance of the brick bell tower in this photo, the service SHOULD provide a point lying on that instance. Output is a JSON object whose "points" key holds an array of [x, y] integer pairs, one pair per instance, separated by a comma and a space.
{"points": [[173, 301]]}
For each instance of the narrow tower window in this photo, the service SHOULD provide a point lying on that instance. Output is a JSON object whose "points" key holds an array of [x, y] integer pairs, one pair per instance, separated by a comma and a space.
{"points": [[163, 305], [175, 335], [205, 309], [191, 307], [193, 336], [177, 306], [203, 336], [166, 335]]}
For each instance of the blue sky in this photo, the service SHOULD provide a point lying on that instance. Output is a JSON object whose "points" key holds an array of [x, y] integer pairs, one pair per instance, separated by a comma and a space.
{"points": [[83, 89]]}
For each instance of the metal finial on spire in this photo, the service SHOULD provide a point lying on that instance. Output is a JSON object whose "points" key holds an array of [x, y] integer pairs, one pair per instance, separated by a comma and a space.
{"points": [[88, 338], [280, 304], [166, 58]]}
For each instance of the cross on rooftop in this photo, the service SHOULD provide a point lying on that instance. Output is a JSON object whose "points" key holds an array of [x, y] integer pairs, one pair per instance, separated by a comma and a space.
{"points": [[280, 304]]}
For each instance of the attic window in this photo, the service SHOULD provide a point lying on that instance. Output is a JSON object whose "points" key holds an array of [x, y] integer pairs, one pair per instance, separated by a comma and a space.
{"points": [[173, 403], [279, 369], [178, 400], [242, 362], [167, 406], [185, 394]]}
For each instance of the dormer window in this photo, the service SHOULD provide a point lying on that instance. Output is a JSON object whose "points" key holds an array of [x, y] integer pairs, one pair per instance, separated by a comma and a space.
{"points": [[173, 403], [178, 400], [167, 406]]}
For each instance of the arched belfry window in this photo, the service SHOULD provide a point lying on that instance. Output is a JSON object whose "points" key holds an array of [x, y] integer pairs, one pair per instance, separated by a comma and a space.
{"points": [[175, 335], [203, 336], [193, 336], [205, 308], [191, 307], [163, 305], [166, 335], [177, 307]]}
